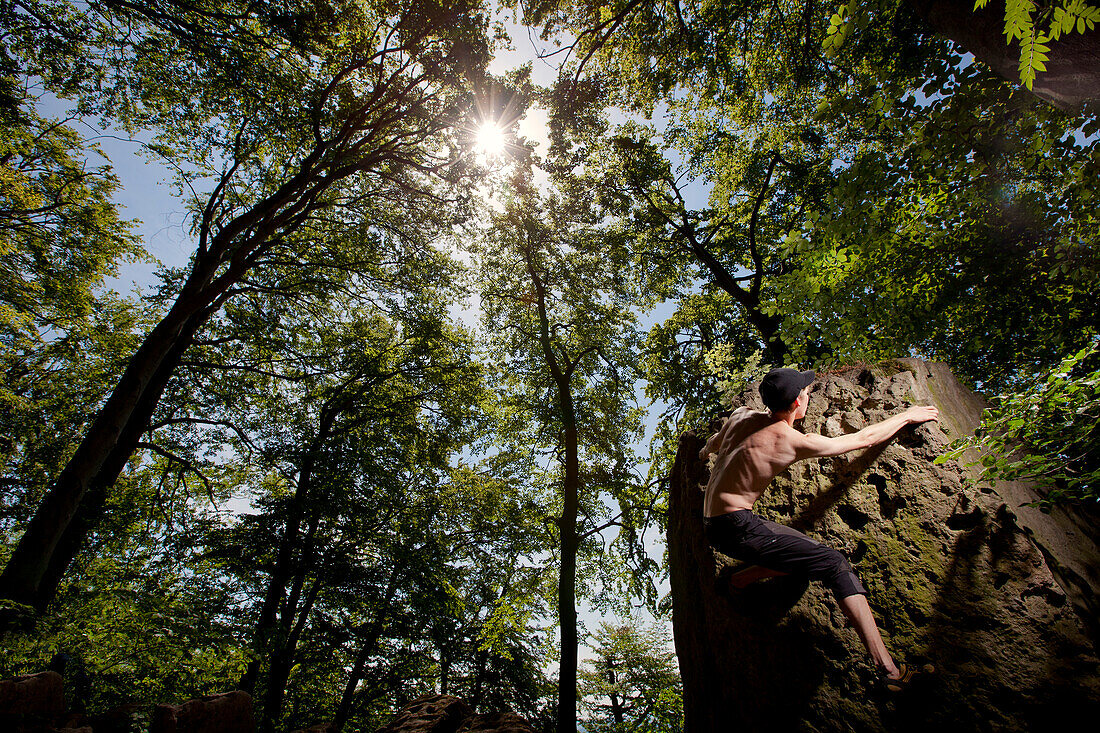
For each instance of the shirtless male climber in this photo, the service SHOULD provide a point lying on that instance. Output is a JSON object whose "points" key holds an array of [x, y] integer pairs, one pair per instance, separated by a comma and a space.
{"points": [[753, 447]]}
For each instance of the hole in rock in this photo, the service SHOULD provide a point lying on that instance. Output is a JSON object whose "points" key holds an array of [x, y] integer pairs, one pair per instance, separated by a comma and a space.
{"points": [[911, 438], [853, 517], [1048, 594], [970, 520], [888, 505]]}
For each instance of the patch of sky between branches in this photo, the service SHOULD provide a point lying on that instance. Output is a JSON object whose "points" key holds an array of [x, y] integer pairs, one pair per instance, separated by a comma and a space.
{"points": [[144, 195]]}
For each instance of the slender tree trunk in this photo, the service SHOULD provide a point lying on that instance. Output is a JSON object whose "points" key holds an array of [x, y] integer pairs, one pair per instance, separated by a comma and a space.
{"points": [[282, 661], [567, 579], [569, 541], [482, 664], [283, 642], [366, 649], [281, 574], [616, 703]]}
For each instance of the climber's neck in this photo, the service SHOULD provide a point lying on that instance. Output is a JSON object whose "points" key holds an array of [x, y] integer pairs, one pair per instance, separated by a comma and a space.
{"points": [[797, 409]]}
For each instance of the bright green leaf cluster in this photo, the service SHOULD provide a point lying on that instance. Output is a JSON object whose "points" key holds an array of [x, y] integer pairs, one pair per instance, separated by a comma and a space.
{"points": [[1047, 433], [632, 685], [840, 27], [1021, 24]]}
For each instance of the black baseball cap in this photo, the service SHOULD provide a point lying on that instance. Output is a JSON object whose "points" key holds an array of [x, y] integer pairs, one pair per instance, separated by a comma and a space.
{"points": [[781, 387]]}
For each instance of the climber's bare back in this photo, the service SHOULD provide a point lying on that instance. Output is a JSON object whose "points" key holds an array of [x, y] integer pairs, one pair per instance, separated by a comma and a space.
{"points": [[752, 447]]}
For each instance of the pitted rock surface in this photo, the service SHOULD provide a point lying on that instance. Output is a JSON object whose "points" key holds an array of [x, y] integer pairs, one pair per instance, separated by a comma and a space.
{"points": [[955, 577], [40, 695], [31, 702], [430, 714], [447, 714]]}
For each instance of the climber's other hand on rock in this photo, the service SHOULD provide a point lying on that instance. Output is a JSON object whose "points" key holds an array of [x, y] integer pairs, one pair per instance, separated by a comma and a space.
{"points": [[922, 413]]}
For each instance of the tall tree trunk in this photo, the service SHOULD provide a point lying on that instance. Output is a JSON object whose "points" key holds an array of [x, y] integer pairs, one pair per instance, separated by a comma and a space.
{"points": [[616, 703], [263, 639], [282, 661], [567, 578], [47, 547], [73, 505], [90, 510], [282, 640], [476, 693], [444, 672], [569, 540]]}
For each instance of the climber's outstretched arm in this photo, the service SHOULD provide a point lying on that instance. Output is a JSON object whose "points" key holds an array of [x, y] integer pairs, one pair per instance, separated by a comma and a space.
{"points": [[814, 446]]}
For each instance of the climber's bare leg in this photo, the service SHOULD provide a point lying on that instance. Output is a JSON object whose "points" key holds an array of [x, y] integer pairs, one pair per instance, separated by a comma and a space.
{"points": [[859, 614]]}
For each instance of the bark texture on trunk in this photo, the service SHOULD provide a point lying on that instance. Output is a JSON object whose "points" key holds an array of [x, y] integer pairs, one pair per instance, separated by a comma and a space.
{"points": [[567, 578], [561, 366], [73, 505]]}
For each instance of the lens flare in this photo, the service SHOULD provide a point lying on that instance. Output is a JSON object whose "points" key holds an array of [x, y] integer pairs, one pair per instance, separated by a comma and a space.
{"points": [[490, 139]]}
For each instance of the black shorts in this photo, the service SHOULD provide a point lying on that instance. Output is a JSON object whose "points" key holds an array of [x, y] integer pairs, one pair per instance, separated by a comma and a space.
{"points": [[745, 536]]}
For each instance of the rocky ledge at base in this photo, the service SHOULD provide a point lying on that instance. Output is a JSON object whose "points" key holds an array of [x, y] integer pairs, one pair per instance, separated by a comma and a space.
{"points": [[36, 704], [999, 597], [447, 714]]}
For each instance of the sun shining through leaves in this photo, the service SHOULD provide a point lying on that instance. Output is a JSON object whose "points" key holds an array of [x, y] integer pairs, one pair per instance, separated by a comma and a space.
{"points": [[491, 139], [494, 141], [491, 131]]}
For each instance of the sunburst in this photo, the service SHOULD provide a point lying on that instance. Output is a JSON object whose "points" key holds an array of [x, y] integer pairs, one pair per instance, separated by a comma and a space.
{"points": [[491, 139], [491, 133]]}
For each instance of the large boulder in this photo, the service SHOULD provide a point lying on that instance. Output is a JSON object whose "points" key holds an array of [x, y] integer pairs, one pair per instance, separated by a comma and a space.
{"points": [[430, 714], [495, 723], [447, 714], [996, 595], [33, 700], [230, 712]]}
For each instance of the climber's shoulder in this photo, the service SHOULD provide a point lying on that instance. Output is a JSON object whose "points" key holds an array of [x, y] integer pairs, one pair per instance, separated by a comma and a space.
{"points": [[741, 414], [781, 440]]}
